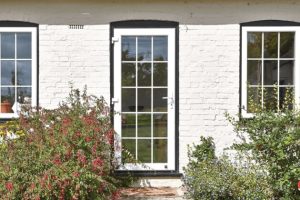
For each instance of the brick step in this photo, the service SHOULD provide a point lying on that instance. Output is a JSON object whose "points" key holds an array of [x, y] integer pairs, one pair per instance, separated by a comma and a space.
{"points": [[152, 193], [152, 198]]}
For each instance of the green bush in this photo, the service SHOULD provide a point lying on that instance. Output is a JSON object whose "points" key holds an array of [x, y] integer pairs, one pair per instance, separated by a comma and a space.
{"points": [[274, 142], [65, 153], [209, 177]]}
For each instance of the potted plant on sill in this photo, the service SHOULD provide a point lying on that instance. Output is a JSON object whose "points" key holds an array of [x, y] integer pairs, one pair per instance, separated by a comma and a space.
{"points": [[6, 107]]}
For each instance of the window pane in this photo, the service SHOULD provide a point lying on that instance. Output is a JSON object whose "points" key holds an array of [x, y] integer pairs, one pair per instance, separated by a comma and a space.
{"points": [[128, 125], [128, 74], [160, 74], [23, 45], [7, 99], [286, 97], [286, 72], [160, 48], [24, 95], [7, 45], [254, 72], [24, 72], [7, 72], [254, 95], [144, 74], [144, 100], [270, 98], [287, 44], [270, 45], [128, 146], [160, 104], [128, 48], [270, 72], [160, 126], [160, 151], [144, 125], [144, 151], [128, 100], [254, 45], [144, 48]]}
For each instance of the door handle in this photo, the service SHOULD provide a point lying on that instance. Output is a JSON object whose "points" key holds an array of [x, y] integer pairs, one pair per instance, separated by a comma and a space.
{"points": [[170, 101]]}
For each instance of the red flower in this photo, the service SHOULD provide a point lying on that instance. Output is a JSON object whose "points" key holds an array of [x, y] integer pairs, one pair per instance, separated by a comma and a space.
{"points": [[43, 180], [78, 134], [299, 185], [62, 194], [9, 186], [110, 137], [116, 195], [66, 121], [97, 163], [97, 129], [76, 174], [81, 157], [32, 186], [57, 160], [88, 139], [94, 148], [88, 120]]}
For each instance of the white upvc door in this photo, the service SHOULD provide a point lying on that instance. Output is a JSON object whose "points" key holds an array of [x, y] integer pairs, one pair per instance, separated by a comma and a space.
{"points": [[144, 97]]}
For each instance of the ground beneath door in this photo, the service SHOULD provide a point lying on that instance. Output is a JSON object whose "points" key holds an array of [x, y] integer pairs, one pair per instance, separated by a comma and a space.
{"points": [[152, 193]]}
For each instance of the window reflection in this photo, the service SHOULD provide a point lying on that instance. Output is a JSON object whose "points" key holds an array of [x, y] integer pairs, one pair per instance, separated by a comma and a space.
{"points": [[268, 75], [24, 45], [24, 95], [270, 45], [7, 45], [128, 48], [7, 72], [16, 70], [160, 48], [144, 48], [24, 72]]}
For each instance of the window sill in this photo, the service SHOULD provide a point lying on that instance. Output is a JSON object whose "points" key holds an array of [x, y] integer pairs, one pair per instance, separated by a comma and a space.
{"points": [[8, 116], [149, 173]]}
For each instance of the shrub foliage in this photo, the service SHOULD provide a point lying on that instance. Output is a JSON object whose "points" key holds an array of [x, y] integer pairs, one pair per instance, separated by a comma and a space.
{"points": [[65, 153], [274, 142], [209, 177]]}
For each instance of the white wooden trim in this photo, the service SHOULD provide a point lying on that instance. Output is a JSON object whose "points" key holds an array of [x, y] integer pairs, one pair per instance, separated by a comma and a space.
{"points": [[244, 49], [170, 32], [33, 31]]}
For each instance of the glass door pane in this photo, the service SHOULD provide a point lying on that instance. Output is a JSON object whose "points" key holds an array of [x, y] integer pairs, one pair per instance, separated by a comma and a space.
{"points": [[144, 78]]}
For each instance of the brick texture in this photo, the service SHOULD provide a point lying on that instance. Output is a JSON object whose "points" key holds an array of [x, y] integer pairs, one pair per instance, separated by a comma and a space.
{"points": [[208, 80], [208, 84], [80, 56]]}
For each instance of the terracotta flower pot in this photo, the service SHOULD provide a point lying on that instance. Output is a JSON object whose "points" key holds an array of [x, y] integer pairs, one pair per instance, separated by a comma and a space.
{"points": [[6, 107]]}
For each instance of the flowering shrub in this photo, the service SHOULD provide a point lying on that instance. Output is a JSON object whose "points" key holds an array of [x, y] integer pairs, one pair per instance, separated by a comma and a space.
{"points": [[10, 129], [274, 142], [65, 153], [209, 177]]}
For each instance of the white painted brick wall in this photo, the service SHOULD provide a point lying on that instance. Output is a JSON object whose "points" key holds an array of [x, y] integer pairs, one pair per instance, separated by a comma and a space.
{"points": [[68, 55], [208, 84], [208, 68]]}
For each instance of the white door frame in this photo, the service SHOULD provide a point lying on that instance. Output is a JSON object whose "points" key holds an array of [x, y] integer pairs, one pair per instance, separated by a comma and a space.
{"points": [[116, 100]]}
